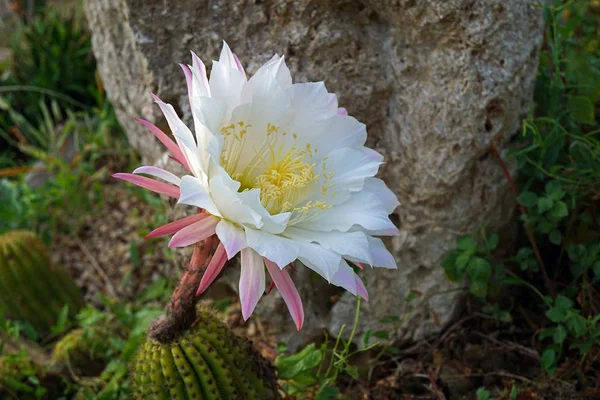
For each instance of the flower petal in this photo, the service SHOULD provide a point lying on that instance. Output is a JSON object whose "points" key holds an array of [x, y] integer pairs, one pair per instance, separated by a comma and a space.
{"points": [[252, 281], [239, 65], [150, 184], [200, 83], [195, 232], [216, 264], [384, 194], [193, 193], [345, 277], [279, 249], [322, 261], [362, 208], [354, 244], [361, 288], [288, 291], [232, 237], [175, 226], [224, 192], [164, 139], [159, 173], [183, 136], [342, 111], [380, 255], [349, 175]]}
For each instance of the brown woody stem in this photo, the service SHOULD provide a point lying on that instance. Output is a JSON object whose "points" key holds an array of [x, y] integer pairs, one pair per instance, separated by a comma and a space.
{"points": [[180, 314]]}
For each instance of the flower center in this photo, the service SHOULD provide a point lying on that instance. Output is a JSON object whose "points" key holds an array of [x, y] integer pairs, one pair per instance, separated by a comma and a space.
{"points": [[284, 174]]}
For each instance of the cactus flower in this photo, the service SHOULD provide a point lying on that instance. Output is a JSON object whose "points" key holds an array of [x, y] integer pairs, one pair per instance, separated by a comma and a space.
{"points": [[279, 173]]}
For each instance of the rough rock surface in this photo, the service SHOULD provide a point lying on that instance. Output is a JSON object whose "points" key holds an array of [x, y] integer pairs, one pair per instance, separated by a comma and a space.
{"points": [[434, 80]]}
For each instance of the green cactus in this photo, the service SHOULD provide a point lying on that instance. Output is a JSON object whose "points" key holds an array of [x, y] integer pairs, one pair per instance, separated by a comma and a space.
{"points": [[31, 288], [209, 362], [83, 350]]}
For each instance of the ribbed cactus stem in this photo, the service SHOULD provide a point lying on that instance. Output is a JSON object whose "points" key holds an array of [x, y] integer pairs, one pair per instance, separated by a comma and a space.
{"points": [[181, 311]]}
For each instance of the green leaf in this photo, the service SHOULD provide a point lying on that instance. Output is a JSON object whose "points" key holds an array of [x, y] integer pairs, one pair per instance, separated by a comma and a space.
{"points": [[528, 199], [352, 371], [514, 393], [559, 210], [482, 394], [479, 271], [577, 252], [466, 243], [367, 338], [555, 237], [449, 259], [382, 334], [327, 393], [390, 319], [307, 359], [155, 290], [392, 350], [462, 261], [577, 325], [596, 268], [546, 333], [560, 334], [554, 190], [547, 361], [581, 109], [62, 320], [492, 241], [545, 204]]}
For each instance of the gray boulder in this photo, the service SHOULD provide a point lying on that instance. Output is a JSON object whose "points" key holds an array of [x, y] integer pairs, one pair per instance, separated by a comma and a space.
{"points": [[434, 80]]}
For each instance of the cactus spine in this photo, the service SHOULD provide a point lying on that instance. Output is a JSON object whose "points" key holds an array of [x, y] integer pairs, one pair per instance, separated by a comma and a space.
{"points": [[208, 362], [31, 288]]}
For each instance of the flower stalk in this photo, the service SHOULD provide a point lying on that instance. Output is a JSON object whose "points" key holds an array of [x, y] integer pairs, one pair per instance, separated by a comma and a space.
{"points": [[180, 313]]}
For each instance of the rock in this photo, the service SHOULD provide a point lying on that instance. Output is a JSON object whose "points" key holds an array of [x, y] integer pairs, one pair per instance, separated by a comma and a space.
{"points": [[434, 80]]}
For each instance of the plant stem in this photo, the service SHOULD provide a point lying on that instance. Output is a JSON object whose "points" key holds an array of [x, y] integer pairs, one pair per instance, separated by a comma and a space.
{"points": [[180, 314], [528, 230]]}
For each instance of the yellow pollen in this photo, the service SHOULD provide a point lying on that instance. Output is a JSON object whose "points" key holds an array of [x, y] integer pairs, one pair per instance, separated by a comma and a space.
{"points": [[284, 176]]}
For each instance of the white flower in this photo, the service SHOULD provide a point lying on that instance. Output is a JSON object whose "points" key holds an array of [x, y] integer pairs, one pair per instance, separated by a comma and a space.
{"points": [[279, 173]]}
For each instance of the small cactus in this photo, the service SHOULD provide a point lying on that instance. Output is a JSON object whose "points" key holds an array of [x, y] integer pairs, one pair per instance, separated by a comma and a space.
{"points": [[31, 288], [206, 362], [83, 350]]}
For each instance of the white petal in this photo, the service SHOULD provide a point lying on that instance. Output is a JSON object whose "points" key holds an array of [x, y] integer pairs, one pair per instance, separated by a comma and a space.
{"points": [[280, 250], [269, 86], [344, 277], [362, 208], [193, 193], [211, 112], [200, 85], [223, 190], [159, 173], [226, 81], [339, 131], [383, 193], [232, 237], [271, 223], [312, 106], [324, 262], [252, 281], [183, 136], [380, 255], [350, 168], [353, 244]]}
